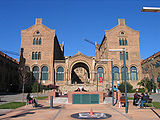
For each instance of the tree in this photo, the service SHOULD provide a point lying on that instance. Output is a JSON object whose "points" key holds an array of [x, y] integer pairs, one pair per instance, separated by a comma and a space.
{"points": [[147, 84], [122, 87], [24, 76]]}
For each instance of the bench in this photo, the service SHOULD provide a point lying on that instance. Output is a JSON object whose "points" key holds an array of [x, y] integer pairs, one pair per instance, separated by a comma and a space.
{"points": [[122, 101], [147, 102]]}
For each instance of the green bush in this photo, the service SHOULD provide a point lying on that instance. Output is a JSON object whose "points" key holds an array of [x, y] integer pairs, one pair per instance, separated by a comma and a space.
{"points": [[147, 83], [140, 90], [35, 87], [129, 87]]}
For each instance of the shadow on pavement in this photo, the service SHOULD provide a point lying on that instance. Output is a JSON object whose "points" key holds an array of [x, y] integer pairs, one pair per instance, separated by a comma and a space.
{"points": [[2, 114], [20, 115], [58, 107]]}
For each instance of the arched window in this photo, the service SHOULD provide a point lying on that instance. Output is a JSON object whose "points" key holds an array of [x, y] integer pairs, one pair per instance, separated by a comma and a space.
{"points": [[36, 72], [39, 41], [115, 73], [100, 73], [60, 74], [123, 41], [126, 42], [39, 55], [120, 41], [27, 68], [133, 72], [122, 73], [33, 55], [36, 55], [44, 73], [34, 41]]}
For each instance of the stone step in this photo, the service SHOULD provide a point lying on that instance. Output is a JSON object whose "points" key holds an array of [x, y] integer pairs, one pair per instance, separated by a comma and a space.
{"points": [[107, 100]]}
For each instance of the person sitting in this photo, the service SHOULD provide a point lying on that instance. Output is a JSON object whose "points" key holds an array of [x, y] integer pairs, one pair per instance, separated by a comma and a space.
{"points": [[84, 90], [78, 90], [122, 98], [109, 93], [29, 99], [136, 98], [142, 100], [35, 104]]}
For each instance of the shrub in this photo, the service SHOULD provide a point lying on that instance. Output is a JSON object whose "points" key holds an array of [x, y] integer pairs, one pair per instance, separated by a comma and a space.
{"points": [[147, 83], [35, 87], [122, 87]]}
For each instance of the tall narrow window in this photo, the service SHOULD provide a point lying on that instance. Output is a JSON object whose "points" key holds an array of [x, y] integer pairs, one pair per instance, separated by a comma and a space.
{"points": [[39, 41], [100, 73], [36, 57], [39, 55], [115, 73], [60, 74], [126, 55], [122, 73], [133, 72], [33, 55], [121, 56], [126, 42], [44, 73], [34, 41], [120, 42], [36, 73]]}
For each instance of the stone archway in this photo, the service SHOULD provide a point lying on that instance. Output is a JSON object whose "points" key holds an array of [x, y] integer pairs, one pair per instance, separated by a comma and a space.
{"points": [[80, 73]]}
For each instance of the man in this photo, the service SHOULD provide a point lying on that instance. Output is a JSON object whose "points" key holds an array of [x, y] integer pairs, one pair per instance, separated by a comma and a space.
{"points": [[136, 98]]}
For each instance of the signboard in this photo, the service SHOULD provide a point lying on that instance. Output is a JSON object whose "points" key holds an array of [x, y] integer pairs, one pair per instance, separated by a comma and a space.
{"points": [[100, 79]]}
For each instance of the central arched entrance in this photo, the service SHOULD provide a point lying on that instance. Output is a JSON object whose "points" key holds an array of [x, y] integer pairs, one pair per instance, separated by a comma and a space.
{"points": [[80, 73]]}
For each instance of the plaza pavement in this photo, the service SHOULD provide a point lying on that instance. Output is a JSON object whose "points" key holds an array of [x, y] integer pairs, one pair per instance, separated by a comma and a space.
{"points": [[64, 112]]}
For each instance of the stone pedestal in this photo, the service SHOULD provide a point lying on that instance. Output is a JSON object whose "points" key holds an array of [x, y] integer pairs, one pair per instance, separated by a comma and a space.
{"points": [[51, 93]]}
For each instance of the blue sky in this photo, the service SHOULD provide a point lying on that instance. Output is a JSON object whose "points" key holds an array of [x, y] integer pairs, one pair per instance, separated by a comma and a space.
{"points": [[76, 19]]}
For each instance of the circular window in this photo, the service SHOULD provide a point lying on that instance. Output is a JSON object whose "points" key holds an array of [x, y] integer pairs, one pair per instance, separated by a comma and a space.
{"points": [[122, 33], [37, 32]]}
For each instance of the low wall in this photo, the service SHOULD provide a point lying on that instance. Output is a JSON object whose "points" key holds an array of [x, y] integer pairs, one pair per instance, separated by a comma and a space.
{"points": [[71, 93]]}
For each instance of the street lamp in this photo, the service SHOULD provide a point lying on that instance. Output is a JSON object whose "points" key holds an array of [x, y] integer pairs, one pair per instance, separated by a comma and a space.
{"points": [[124, 60], [151, 65], [107, 60], [150, 9]]}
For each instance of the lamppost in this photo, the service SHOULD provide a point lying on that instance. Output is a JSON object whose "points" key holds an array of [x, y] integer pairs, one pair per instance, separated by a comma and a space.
{"points": [[124, 62], [107, 60], [150, 9], [151, 65]]}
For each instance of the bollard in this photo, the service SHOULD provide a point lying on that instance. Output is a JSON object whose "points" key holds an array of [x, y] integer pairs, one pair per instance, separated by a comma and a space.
{"points": [[51, 101]]}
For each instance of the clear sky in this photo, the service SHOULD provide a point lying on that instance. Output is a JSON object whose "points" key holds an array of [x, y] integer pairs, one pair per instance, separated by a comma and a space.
{"points": [[76, 19]]}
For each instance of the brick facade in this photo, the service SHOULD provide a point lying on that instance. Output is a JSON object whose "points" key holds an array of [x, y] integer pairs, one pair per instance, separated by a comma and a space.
{"points": [[151, 68], [81, 70], [9, 79]]}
